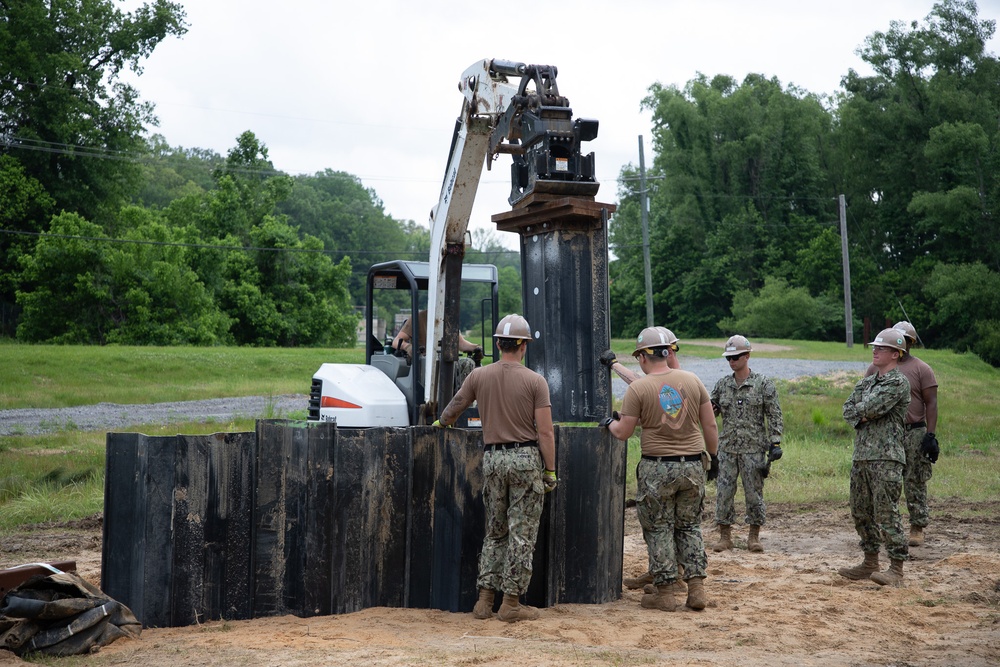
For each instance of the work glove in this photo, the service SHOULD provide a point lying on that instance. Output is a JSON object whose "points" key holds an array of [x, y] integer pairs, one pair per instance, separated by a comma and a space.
{"points": [[613, 418], [929, 447], [607, 358], [437, 424], [765, 470], [549, 480], [774, 453], [477, 354], [713, 470]]}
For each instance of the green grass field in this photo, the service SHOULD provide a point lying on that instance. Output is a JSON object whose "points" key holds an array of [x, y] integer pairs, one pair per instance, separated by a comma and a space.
{"points": [[60, 476]]}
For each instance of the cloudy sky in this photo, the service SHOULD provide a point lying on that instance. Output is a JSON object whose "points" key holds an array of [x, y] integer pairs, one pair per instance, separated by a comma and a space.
{"points": [[370, 88]]}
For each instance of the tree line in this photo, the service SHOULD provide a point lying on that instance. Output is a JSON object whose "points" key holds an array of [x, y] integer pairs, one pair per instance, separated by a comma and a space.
{"points": [[743, 191], [109, 235]]}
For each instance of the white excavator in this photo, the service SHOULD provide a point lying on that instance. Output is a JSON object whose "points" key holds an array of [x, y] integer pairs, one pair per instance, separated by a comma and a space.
{"points": [[509, 108]]}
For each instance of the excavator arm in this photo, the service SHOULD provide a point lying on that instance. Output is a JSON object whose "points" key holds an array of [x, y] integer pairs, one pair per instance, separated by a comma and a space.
{"points": [[511, 108]]}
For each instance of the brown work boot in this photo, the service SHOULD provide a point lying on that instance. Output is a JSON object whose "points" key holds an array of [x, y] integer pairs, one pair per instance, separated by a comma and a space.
{"points": [[678, 587], [891, 577], [512, 610], [753, 540], [862, 571], [916, 536], [696, 593], [661, 598], [634, 583], [484, 606], [725, 538]]}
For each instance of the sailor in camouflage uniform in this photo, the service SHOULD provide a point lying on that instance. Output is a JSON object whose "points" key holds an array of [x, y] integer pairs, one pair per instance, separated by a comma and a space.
{"points": [[518, 438], [876, 409], [920, 441], [749, 442], [678, 425]]}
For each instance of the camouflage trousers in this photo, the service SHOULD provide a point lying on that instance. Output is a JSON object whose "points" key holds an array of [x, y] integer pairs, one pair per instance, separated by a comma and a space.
{"points": [[875, 490], [513, 495], [746, 465], [917, 473], [669, 500]]}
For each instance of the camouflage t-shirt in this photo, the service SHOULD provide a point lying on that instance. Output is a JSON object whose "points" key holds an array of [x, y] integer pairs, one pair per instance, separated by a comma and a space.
{"points": [[876, 409], [751, 414], [920, 377]]}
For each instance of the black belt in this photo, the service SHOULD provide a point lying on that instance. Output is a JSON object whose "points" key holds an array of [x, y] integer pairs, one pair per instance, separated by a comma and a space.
{"points": [[509, 445], [681, 459], [913, 425]]}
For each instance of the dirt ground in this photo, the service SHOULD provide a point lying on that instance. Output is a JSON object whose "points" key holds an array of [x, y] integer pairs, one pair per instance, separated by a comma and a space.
{"points": [[786, 606]]}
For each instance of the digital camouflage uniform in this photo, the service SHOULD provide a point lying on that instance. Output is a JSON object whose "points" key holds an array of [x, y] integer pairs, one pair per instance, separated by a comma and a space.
{"points": [[513, 492], [670, 494], [513, 495], [751, 423], [669, 500], [918, 469], [879, 457]]}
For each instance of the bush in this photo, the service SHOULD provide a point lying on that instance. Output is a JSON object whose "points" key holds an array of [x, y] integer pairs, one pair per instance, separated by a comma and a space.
{"points": [[780, 311]]}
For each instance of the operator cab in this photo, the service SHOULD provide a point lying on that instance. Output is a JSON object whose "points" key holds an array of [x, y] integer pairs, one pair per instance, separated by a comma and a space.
{"points": [[479, 309]]}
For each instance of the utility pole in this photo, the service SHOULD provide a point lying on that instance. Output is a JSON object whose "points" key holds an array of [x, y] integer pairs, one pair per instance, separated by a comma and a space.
{"points": [[848, 319], [644, 202]]}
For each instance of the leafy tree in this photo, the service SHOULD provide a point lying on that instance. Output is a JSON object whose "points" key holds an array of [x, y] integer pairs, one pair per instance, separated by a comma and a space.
{"points": [[919, 146], [740, 185], [64, 113], [24, 204], [81, 287], [780, 311], [964, 296], [350, 221], [62, 293], [174, 173]]}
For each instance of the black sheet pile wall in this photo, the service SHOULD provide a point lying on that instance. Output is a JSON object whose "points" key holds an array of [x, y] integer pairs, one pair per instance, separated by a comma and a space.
{"points": [[304, 518]]}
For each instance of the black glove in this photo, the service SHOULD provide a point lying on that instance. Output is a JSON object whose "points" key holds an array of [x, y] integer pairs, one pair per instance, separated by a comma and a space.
{"points": [[613, 418], [477, 354], [713, 470], [765, 470], [774, 453], [929, 447], [607, 358]]}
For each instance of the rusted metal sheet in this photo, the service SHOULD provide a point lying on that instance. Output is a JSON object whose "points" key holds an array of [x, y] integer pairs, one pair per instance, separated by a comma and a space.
{"points": [[371, 496], [564, 290], [306, 518], [447, 523], [586, 527], [177, 526], [293, 518]]}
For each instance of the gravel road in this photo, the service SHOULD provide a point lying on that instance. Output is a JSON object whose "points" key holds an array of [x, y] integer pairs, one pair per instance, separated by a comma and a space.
{"points": [[113, 416]]}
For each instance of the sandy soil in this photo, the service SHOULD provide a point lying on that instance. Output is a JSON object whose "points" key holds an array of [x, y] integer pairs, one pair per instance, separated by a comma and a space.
{"points": [[786, 606]]}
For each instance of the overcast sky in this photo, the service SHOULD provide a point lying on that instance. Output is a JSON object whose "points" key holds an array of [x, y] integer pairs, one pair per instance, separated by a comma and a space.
{"points": [[370, 88]]}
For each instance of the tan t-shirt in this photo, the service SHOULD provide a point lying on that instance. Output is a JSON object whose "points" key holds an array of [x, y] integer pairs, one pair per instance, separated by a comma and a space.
{"points": [[407, 327], [508, 395], [667, 406]]}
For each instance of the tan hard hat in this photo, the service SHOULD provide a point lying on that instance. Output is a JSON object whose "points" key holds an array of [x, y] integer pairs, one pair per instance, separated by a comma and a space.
{"points": [[736, 345], [654, 337], [890, 338], [907, 329], [515, 327]]}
